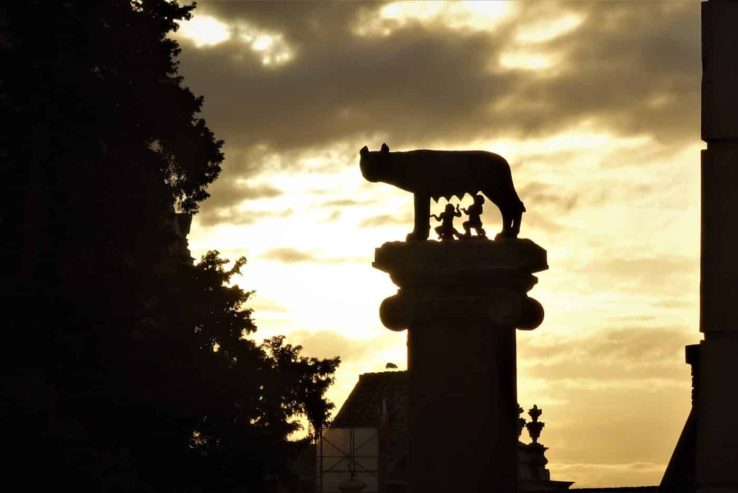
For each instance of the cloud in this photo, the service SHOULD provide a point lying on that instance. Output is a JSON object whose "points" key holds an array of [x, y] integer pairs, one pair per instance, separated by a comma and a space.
{"points": [[343, 203], [627, 67], [434, 81], [288, 255], [293, 255], [605, 475], [262, 305], [664, 275], [329, 344], [227, 192], [429, 83], [333, 216], [628, 387], [632, 357], [539, 222], [549, 196], [385, 219], [235, 215]]}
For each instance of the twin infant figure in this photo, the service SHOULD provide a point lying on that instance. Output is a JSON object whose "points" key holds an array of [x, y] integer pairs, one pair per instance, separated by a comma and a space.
{"points": [[446, 230]]}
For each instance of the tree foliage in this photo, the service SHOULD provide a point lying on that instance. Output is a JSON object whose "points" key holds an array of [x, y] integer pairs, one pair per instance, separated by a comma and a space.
{"points": [[111, 380]]}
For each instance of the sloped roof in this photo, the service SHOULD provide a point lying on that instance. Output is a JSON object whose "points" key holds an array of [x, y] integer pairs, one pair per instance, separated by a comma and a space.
{"points": [[362, 408]]}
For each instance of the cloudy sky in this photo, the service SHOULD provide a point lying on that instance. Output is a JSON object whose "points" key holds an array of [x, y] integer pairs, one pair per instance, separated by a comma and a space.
{"points": [[596, 106]]}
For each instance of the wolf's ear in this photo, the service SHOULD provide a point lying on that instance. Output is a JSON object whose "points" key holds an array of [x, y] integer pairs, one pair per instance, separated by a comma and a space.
{"points": [[364, 150], [385, 148]]}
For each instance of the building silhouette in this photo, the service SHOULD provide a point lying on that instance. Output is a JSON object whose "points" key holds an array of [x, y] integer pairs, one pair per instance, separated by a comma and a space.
{"points": [[367, 442]]}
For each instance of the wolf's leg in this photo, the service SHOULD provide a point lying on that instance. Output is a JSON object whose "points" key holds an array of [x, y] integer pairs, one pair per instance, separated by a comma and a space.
{"points": [[515, 225], [506, 224], [510, 221], [422, 217]]}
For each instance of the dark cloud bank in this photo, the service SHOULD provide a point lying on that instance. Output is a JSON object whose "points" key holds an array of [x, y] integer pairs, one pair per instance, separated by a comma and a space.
{"points": [[632, 66]]}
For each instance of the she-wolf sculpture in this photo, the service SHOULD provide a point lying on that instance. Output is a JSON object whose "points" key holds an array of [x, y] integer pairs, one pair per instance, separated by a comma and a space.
{"points": [[435, 174]]}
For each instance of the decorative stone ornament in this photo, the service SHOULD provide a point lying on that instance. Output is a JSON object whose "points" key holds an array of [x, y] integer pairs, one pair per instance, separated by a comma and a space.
{"points": [[534, 426]]}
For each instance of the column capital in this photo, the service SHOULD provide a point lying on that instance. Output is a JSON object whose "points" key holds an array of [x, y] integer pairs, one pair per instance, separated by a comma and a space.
{"points": [[508, 254], [473, 280]]}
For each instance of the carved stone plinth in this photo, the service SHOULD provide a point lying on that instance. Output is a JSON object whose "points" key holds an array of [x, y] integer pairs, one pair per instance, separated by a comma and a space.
{"points": [[461, 302]]}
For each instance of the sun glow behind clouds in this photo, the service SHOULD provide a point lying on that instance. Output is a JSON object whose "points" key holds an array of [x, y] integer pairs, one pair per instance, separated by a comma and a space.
{"points": [[528, 50], [541, 32], [205, 31], [475, 16], [587, 136], [269, 46], [527, 60]]}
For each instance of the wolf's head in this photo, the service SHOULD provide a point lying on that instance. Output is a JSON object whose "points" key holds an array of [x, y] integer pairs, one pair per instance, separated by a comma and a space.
{"points": [[374, 164]]}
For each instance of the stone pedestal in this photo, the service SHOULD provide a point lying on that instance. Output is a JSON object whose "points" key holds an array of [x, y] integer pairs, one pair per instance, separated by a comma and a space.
{"points": [[461, 302]]}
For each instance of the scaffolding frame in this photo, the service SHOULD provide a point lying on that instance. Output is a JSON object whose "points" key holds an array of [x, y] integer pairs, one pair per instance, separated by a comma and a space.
{"points": [[347, 457]]}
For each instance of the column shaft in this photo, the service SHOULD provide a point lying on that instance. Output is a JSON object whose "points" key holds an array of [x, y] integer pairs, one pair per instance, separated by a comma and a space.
{"points": [[460, 302], [462, 408]]}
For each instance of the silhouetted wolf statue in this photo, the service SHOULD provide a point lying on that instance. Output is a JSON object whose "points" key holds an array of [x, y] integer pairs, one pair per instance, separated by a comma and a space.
{"points": [[435, 174]]}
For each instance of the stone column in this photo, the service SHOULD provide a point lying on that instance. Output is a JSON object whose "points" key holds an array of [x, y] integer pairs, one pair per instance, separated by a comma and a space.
{"points": [[717, 402], [461, 302]]}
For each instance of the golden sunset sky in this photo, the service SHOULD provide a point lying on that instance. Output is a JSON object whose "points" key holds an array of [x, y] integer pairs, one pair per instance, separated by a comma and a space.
{"points": [[595, 104]]}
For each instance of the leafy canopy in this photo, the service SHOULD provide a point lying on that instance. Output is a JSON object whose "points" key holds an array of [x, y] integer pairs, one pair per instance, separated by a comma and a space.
{"points": [[110, 380]]}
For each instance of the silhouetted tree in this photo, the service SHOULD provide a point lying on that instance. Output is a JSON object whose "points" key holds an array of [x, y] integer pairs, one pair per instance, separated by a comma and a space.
{"points": [[124, 368]]}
